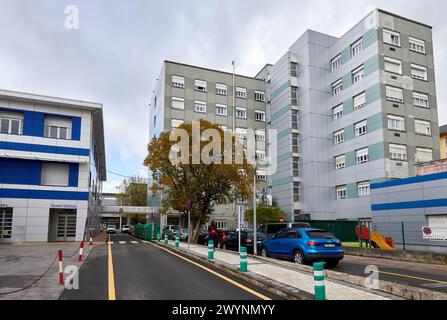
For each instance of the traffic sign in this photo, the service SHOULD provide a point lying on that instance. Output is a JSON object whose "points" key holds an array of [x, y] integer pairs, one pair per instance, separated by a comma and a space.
{"points": [[427, 232]]}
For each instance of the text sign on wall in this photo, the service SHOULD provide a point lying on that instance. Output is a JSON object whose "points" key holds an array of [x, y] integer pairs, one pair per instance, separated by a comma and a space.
{"points": [[64, 206]]}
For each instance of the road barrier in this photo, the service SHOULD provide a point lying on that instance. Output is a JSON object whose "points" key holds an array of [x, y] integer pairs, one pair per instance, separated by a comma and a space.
{"points": [[166, 239], [81, 251], [61, 269], [320, 289], [177, 241], [158, 237], [244, 264], [210, 250]]}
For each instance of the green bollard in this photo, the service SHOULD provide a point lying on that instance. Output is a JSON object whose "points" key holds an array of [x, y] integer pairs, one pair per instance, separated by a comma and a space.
{"points": [[177, 241], [320, 289], [244, 264], [210, 250], [166, 239], [158, 237]]}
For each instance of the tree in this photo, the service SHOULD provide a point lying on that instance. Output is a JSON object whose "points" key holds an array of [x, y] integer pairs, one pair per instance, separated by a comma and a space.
{"points": [[265, 213], [206, 183], [133, 192]]}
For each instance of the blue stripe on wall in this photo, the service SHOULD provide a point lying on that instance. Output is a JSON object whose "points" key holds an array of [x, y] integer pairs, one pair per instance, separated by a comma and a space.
{"points": [[73, 175], [43, 194], [76, 129], [18, 171], [418, 179], [410, 205], [43, 148]]}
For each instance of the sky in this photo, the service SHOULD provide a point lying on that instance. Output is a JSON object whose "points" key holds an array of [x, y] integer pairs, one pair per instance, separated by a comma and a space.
{"points": [[115, 55]]}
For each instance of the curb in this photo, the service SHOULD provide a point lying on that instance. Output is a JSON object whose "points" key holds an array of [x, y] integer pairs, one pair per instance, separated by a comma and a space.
{"points": [[277, 288]]}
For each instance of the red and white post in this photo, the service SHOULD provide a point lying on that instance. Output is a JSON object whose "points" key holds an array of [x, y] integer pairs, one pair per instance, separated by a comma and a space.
{"points": [[81, 251], [61, 269], [91, 240]]}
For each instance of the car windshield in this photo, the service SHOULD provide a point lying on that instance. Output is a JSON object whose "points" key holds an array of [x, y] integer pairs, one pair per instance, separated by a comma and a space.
{"points": [[126, 226], [251, 234], [184, 230], [319, 234], [111, 226]]}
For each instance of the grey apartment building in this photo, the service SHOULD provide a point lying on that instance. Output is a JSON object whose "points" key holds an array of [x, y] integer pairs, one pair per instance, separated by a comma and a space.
{"points": [[348, 112]]}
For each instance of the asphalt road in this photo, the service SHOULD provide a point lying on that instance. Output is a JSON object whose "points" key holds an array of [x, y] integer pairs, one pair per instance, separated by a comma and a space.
{"points": [[145, 272], [428, 276]]}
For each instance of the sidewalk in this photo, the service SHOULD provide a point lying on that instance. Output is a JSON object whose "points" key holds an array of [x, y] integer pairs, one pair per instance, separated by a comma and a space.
{"points": [[21, 264], [293, 278]]}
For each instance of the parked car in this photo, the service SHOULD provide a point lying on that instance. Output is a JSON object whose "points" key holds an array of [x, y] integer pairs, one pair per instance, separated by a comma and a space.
{"points": [[304, 246], [125, 228], [184, 234], [270, 229], [203, 234], [111, 228], [231, 242], [171, 231]]}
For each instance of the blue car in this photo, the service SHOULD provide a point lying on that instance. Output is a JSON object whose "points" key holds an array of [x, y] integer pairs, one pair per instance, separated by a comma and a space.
{"points": [[304, 246]]}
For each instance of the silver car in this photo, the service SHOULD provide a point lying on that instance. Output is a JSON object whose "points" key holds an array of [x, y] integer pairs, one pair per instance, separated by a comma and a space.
{"points": [[184, 234]]}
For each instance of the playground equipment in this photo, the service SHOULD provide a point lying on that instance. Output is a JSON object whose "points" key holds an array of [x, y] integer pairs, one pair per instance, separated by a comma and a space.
{"points": [[373, 239]]}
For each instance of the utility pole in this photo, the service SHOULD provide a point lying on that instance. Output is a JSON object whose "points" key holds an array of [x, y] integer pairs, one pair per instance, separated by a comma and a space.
{"points": [[255, 245]]}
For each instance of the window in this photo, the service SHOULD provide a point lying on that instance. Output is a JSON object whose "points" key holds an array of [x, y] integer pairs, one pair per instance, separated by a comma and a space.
{"points": [[260, 96], [338, 112], [260, 155], [200, 107], [261, 175], [340, 162], [341, 192], [357, 47], [293, 69], [295, 142], [221, 110], [393, 65], [391, 37], [339, 136], [394, 94], [362, 155], [336, 62], [361, 128], [241, 113], [178, 82], [418, 72], [438, 224], [360, 101], [259, 115], [296, 191], [363, 189], [424, 155], [58, 128], [11, 122], [296, 166], [422, 127], [241, 133], [421, 100], [295, 119], [260, 135], [396, 123], [337, 87], [175, 124], [221, 89], [54, 174], [417, 45], [398, 152], [178, 103], [358, 74], [200, 85], [294, 96], [241, 93]]}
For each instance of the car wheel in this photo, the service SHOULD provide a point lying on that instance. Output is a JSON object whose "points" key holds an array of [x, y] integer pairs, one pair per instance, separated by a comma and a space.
{"points": [[331, 263], [298, 257], [264, 252]]}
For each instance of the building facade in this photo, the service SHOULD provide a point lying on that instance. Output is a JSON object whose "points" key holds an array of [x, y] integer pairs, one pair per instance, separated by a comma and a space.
{"points": [[348, 112], [52, 165], [443, 141]]}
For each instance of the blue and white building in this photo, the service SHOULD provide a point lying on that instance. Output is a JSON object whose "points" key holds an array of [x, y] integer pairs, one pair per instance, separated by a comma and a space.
{"points": [[52, 165]]}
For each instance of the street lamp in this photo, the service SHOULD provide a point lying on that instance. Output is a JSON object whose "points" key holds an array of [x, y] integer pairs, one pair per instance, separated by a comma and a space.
{"points": [[255, 245]]}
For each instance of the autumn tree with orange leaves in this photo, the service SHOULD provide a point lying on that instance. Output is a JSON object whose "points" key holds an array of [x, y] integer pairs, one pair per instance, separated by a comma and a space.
{"points": [[206, 183]]}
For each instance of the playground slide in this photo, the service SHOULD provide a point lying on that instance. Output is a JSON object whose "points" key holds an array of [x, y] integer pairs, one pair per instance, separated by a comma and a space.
{"points": [[378, 239]]}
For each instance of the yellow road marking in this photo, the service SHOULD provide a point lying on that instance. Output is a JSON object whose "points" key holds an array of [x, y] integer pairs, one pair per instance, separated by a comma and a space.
{"points": [[111, 277], [237, 284], [413, 277]]}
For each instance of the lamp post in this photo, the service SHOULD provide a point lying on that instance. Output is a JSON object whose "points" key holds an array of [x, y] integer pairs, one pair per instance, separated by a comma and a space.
{"points": [[255, 245]]}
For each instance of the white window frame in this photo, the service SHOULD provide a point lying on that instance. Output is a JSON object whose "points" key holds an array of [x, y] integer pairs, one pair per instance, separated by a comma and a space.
{"points": [[392, 120], [260, 114], [359, 100], [422, 127], [340, 162], [259, 96], [180, 100], [397, 152], [391, 89], [419, 151], [60, 125], [362, 156], [55, 174], [175, 123], [261, 155], [241, 133], [341, 192], [261, 175], [363, 189], [339, 136], [338, 111], [221, 106], [416, 67], [336, 62], [393, 65], [388, 36], [178, 82], [241, 113], [419, 100], [358, 74], [260, 135], [9, 118], [241, 93], [198, 105], [357, 47], [200, 85], [221, 89], [361, 128], [337, 87], [417, 45]]}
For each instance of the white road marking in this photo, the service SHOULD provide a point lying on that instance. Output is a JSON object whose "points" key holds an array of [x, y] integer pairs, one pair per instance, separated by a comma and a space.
{"points": [[110, 242], [122, 242], [134, 242]]}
